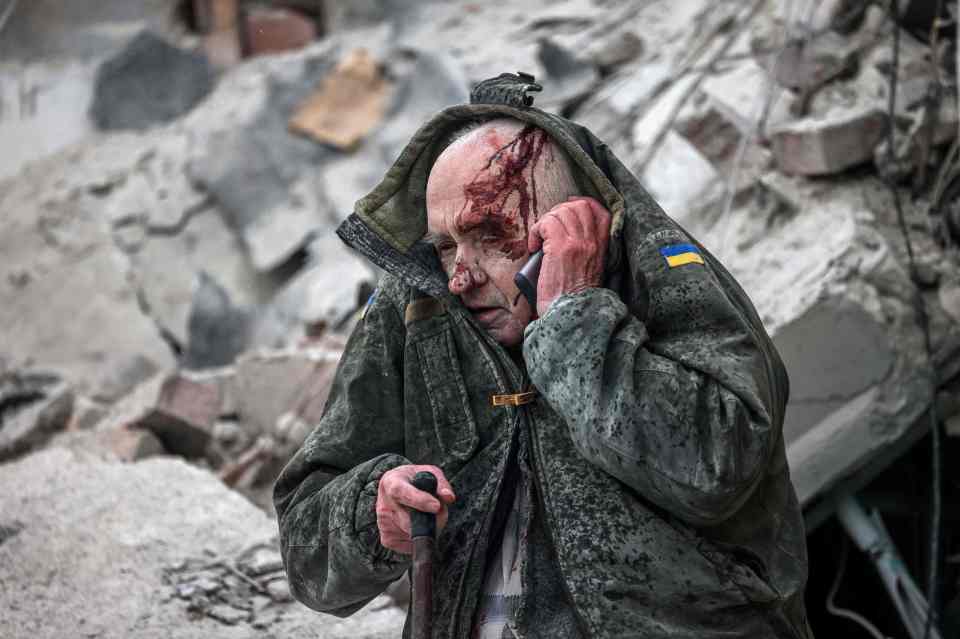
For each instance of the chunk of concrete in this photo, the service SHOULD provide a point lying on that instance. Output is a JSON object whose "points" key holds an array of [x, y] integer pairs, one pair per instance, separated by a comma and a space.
{"points": [[678, 175], [740, 94], [820, 146], [179, 411], [270, 383], [149, 82]]}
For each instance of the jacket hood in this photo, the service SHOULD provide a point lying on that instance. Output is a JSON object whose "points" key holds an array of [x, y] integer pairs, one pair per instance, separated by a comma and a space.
{"points": [[388, 224]]}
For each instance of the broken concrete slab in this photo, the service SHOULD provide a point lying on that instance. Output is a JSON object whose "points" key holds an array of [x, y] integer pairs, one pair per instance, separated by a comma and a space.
{"points": [[740, 95], [276, 29], [118, 538], [820, 146], [270, 383], [678, 176], [149, 82], [178, 410]]}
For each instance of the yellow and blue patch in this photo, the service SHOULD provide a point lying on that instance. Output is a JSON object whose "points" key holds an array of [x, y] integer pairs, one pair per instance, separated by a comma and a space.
{"points": [[680, 254]]}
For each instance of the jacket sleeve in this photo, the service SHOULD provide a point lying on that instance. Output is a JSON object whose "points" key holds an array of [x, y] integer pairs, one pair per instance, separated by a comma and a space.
{"points": [[673, 399], [326, 495]]}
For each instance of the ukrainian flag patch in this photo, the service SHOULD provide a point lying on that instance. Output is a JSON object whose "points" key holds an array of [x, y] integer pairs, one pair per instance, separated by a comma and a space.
{"points": [[680, 254]]}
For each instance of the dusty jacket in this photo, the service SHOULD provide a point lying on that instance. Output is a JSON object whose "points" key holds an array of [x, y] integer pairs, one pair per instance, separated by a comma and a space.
{"points": [[664, 505]]}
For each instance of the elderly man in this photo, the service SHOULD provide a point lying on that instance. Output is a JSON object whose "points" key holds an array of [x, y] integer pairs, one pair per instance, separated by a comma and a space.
{"points": [[610, 462]]}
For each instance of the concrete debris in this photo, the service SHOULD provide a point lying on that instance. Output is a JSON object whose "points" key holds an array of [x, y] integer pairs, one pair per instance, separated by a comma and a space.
{"points": [[33, 407], [59, 261], [678, 175], [150, 82], [348, 105], [263, 177], [847, 332], [269, 383], [221, 381], [260, 560], [274, 30], [86, 413], [217, 329], [739, 94], [427, 81], [129, 444], [619, 48], [807, 64], [323, 295], [118, 539], [820, 146], [179, 411], [611, 111], [567, 78]]}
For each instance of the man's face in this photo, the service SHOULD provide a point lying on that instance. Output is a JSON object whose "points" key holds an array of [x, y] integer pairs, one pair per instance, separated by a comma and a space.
{"points": [[481, 203]]}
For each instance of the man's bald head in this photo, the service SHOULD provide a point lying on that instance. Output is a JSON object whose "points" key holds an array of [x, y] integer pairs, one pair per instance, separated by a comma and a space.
{"points": [[504, 168]]}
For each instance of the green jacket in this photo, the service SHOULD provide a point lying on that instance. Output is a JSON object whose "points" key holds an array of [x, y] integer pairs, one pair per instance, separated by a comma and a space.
{"points": [[663, 500]]}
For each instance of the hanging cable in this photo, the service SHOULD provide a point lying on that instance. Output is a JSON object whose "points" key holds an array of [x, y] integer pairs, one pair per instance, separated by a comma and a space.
{"points": [[933, 574], [846, 613]]}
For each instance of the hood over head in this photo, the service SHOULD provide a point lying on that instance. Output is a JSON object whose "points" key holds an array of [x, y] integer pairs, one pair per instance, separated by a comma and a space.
{"points": [[388, 224]]}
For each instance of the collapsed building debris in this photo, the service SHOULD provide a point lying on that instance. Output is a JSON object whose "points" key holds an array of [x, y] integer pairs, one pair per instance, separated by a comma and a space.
{"points": [[182, 285]]}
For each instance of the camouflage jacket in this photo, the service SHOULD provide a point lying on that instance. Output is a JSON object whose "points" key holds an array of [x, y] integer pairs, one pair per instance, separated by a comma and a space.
{"points": [[663, 496]]}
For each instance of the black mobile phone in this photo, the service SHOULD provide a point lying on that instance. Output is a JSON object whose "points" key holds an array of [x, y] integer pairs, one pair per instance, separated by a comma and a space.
{"points": [[526, 278]]}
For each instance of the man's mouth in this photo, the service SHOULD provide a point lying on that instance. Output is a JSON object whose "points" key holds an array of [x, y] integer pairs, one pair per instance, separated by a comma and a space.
{"points": [[485, 314]]}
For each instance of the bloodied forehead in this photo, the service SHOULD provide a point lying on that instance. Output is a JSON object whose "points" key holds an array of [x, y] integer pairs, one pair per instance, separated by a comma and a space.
{"points": [[497, 178]]}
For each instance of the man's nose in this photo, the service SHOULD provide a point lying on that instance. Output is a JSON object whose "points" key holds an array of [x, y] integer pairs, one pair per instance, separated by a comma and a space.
{"points": [[466, 277]]}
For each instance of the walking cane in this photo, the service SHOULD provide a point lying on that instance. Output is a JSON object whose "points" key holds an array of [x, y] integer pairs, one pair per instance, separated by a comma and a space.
{"points": [[423, 529]]}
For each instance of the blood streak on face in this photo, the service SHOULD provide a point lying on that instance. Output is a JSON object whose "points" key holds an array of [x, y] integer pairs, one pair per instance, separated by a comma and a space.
{"points": [[486, 196]]}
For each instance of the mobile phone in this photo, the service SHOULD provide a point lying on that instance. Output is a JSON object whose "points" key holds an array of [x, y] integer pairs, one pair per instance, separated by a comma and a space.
{"points": [[526, 278]]}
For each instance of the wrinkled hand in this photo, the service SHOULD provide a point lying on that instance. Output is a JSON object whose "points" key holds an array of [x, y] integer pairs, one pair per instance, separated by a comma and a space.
{"points": [[574, 236], [396, 496]]}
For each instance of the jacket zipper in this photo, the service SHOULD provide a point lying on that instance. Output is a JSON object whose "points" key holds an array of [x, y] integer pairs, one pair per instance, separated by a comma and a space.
{"points": [[549, 524], [516, 377]]}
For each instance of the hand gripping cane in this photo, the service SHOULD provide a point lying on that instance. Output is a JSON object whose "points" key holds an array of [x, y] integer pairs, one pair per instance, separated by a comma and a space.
{"points": [[423, 529]]}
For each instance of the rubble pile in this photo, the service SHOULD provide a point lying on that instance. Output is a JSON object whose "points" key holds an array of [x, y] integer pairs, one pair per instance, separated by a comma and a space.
{"points": [[158, 548], [171, 288]]}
